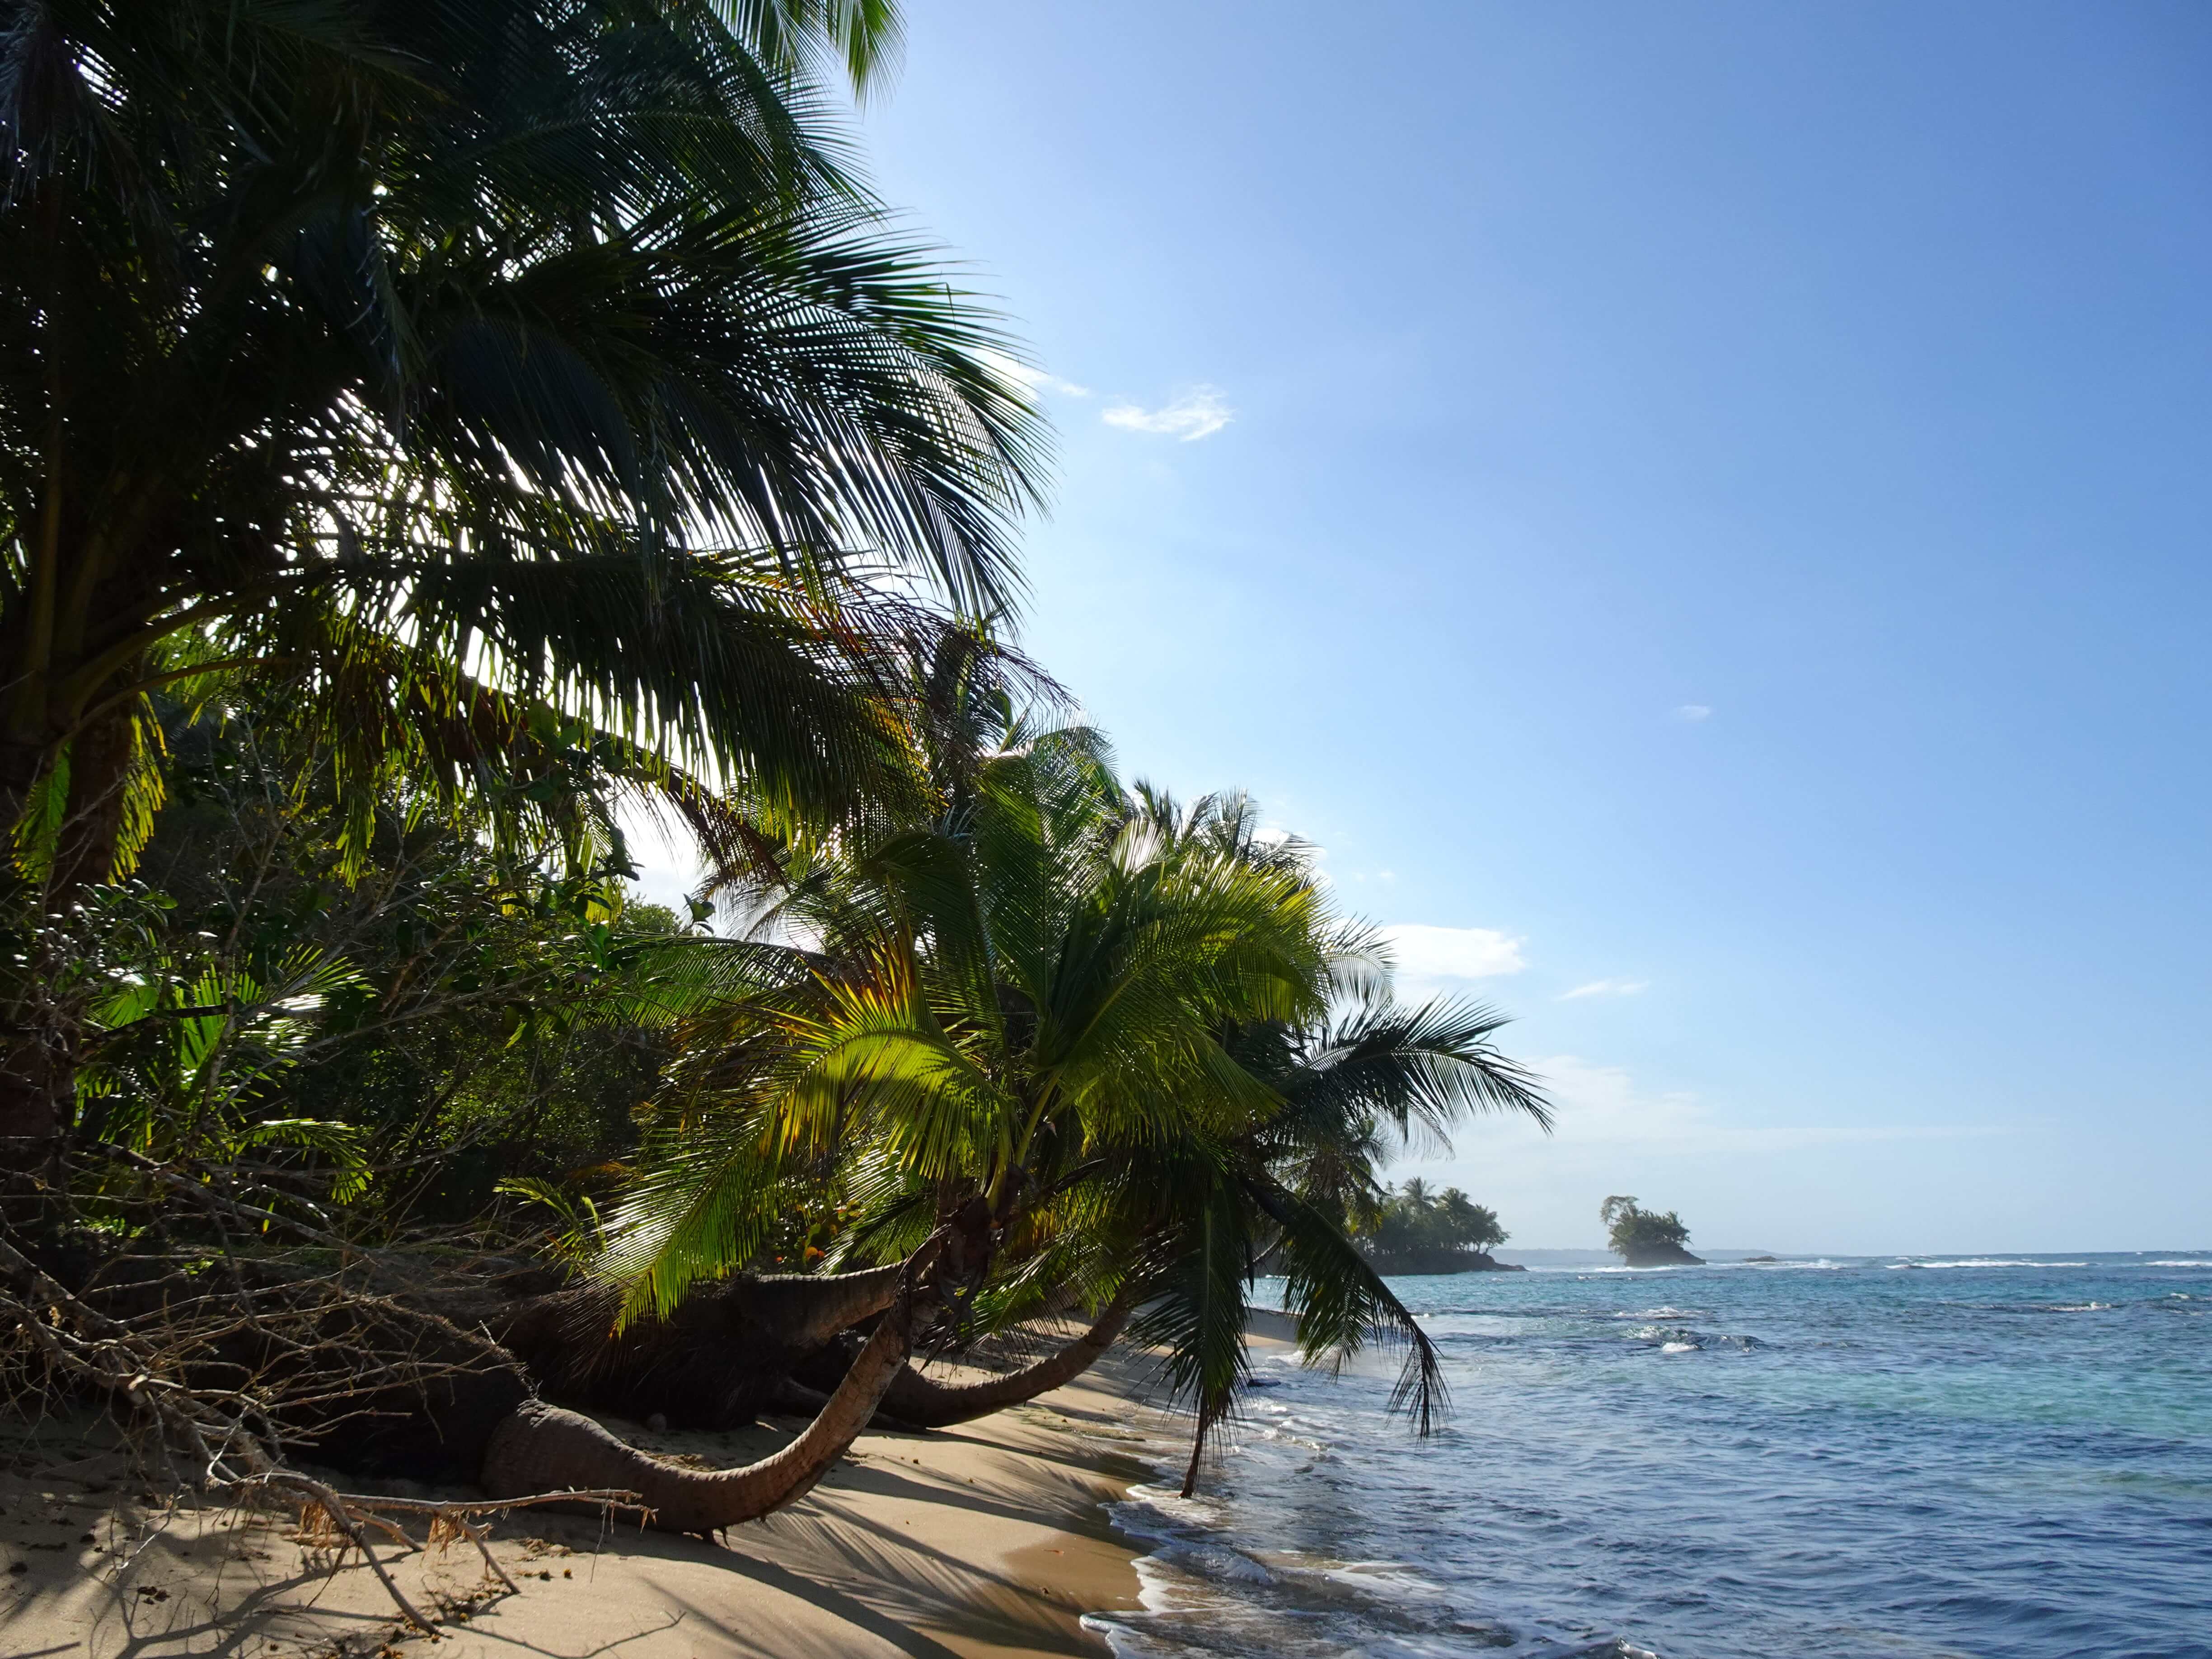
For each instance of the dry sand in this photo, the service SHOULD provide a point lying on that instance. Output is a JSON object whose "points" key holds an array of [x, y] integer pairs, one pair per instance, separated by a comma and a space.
{"points": [[983, 1539]]}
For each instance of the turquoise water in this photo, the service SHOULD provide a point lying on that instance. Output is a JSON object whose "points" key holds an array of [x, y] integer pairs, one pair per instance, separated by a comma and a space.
{"points": [[1961, 1455]]}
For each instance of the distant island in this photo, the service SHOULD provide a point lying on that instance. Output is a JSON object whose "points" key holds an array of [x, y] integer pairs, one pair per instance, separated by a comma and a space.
{"points": [[1414, 1231], [1645, 1238]]}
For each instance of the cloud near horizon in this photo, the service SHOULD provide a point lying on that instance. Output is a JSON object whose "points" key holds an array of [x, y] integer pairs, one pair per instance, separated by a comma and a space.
{"points": [[1198, 413], [1424, 952], [1693, 712], [1608, 987]]}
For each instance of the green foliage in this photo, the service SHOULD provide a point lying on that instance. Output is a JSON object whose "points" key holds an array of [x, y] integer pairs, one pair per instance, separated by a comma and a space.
{"points": [[1114, 1024], [986, 1002], [460, 366], [416, 1023]]}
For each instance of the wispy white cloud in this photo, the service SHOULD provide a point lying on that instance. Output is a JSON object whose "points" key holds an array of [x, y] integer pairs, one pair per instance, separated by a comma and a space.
{"points": [[1693, 712], [1023, 375], [1426, 953], [1608, 987], [1198, 413]]}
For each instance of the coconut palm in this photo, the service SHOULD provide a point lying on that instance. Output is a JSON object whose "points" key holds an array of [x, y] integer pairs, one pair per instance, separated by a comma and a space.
{"points": [[1172, 1206], [471, 368], [555, 342], [985, 1005], [1184, 1226]]}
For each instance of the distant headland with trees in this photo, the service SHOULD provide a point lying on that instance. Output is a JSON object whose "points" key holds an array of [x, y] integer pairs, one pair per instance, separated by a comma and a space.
{"points": [[1414, 1231]]}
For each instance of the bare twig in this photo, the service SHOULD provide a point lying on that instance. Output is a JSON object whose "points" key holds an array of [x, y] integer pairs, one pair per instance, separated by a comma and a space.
{"points": [[348, 1523], [350, 1511]]}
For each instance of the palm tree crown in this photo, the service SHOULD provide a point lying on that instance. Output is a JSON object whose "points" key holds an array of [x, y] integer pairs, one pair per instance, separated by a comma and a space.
{"points": [[410, 349]]}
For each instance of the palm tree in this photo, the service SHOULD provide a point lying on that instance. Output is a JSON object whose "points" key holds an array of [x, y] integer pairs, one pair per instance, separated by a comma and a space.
{"points": [[1368, 1080], [469, 368], [1191, 1221], [555, 342], [1171, 1209], [989, 1005]]}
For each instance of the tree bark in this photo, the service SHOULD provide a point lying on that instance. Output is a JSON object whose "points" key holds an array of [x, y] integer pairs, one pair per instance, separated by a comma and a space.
{"points": [[542, 1448], [805, 1310], [915, 1401], [718, 1360], [1197, 1451]]}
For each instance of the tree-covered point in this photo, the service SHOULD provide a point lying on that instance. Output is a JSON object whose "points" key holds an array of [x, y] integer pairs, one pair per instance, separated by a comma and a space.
{"points": [[1645, 1238], [1414, 1230]]}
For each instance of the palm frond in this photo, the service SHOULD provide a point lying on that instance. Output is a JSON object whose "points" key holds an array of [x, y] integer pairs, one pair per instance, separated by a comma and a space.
{"points": [[1342, 1304]]}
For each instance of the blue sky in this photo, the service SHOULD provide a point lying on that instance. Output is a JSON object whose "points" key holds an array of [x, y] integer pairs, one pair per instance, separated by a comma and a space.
{"points": [[1702, 510]]}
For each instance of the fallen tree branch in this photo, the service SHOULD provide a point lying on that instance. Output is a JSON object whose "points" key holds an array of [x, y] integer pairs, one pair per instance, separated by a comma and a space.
{"points": [[350, 1511], [334, 1508]]}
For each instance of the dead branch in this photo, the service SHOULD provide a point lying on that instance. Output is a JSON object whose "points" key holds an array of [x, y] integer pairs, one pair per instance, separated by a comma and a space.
{"points": [[350, 1512], [340, 1516]]}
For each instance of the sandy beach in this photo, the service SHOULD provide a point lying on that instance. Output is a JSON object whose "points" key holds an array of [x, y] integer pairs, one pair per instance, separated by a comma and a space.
{"points": [[987, 1540]]}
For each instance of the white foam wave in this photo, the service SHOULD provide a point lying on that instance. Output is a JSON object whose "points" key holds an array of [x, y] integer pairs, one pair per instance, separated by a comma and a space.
{"points": [[1200, 1596], [2178, 1263], [1216, 1561], [1671, 1267], [1822, 1264], [1986, 1262]]}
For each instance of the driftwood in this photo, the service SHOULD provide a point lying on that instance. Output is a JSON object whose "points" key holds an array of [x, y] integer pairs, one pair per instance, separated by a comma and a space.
{"points": [[230, 1434]]}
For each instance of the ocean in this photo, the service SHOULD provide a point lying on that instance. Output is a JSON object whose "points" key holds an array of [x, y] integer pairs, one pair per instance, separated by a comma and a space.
{"points": [[2007, 1456]]}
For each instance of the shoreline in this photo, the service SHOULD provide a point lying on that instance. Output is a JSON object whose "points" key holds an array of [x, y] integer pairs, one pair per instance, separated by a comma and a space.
{"points": [[989, 1540]]}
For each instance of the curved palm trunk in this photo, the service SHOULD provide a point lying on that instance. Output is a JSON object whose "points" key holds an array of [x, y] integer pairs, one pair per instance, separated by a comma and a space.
{"points": [[915, 1401], [713, 1363], [542, 1448], [794, 1311], [805, 1310], [1209, 1414]]}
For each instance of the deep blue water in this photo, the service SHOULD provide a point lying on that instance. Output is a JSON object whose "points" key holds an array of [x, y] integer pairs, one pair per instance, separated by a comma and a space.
{"points": [[1968, 1456]]}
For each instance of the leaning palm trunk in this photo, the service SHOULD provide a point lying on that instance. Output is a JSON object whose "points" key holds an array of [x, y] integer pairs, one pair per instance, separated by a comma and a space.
{"points": [[804, 1310], [542, 1448], [715, 1362], [916, 1402], [1211, 1411], [772, 1314]]}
